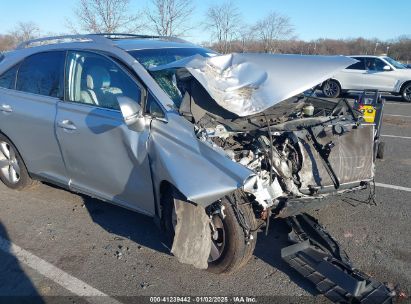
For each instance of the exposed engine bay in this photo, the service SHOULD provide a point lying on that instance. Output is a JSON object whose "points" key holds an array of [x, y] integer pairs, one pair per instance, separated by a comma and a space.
{"points": [[300, 149], [247, 107]]}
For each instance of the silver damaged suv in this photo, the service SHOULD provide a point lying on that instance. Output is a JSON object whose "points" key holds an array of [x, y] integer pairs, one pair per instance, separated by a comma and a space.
{"points": [[210, 145]]}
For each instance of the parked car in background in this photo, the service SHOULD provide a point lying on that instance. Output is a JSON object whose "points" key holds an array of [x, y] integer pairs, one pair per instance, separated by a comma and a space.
{"points": [[371, 73]]}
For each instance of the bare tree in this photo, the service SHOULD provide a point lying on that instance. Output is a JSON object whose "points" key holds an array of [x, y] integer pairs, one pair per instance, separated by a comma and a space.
{"points": [[7, 42], [273, 28], [246, 38], [224, 20], [104, 16], [170, 17], [25, 31]]}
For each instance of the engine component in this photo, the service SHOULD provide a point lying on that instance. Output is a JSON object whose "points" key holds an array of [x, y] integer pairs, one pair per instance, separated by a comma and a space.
{"points": [[308, 110]]}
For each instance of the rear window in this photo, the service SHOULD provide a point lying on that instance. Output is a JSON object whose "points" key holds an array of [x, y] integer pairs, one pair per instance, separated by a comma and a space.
{"points": [[360, 65], [8, 78], [42, 74]]}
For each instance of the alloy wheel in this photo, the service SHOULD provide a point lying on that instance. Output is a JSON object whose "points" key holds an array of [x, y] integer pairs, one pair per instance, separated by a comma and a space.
{"points": [[330, 89], [218, 238], [9, 166], [407, 93]]}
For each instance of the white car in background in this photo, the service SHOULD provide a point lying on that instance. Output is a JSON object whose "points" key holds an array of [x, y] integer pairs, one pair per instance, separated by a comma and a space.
{"points": [[371, 73]]}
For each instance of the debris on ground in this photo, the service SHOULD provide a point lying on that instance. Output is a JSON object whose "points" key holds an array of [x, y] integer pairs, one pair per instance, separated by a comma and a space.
{"points": [[118, 255], [144, 285], [348, 234]]}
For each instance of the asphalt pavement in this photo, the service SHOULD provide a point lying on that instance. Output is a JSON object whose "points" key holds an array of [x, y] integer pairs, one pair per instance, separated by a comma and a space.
{"points": [[58, 245]]}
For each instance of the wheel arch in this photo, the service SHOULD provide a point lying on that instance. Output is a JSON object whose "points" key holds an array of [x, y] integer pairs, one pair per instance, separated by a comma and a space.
{"points": [[18, 151], [14, 144], [166, 187], [337, 81], [404, 84]]}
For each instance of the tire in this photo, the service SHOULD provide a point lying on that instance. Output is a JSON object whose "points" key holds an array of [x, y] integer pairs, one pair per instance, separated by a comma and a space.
{"points": [[235, 251], [406, 92], [380, 150], [331, 89], [13, 171]]}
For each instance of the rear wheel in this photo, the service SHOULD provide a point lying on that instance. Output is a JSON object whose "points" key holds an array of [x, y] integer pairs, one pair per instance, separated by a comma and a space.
{"points": [[406, 92], [13, 172], [230, 249], [331, 88]]}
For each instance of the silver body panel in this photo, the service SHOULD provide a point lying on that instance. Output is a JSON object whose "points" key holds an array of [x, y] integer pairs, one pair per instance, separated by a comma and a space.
{"points": [[30, 126], [104, 158], [200, 173]]}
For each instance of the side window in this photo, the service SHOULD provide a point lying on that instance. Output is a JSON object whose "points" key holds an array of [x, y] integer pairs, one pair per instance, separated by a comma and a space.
{"points": [[8, 79], [94, 79], [42, 74], [375, 64], [358, 65]]}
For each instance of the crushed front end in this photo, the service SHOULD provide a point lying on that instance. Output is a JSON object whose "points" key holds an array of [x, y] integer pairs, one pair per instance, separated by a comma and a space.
{"points": [[293, 150], [300, 150]]}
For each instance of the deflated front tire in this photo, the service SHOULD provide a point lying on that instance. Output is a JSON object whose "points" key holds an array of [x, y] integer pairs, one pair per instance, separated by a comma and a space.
{"points": [[231, 248]]}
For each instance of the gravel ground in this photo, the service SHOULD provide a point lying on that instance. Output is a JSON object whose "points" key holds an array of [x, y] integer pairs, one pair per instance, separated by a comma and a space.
{"points": [[121, 254]]}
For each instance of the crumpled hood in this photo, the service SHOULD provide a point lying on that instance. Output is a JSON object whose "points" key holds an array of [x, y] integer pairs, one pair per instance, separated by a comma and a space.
{"points": [[247, 84]]}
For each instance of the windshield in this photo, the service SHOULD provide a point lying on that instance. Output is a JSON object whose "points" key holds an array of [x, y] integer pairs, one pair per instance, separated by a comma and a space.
{"points": [[154, 57], [394, 63], [167, 79]]}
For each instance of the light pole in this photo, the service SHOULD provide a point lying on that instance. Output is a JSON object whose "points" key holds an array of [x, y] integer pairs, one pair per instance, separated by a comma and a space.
{"points": [[375, 50]]}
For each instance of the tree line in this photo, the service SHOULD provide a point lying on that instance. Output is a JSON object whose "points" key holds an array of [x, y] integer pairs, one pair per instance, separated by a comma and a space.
{"points": [[272, 33]]}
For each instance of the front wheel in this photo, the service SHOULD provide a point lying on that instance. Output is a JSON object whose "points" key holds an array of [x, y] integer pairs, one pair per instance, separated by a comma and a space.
{"points": [[234, 249], [406, 92], [331, 88], [230, 248]]}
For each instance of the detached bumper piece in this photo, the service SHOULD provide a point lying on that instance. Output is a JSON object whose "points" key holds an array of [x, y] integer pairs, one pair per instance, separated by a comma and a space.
{"points": [[317, 256]]}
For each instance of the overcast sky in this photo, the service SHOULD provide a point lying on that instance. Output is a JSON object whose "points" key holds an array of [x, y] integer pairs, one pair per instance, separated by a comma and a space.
{"points": [[312, 19]]}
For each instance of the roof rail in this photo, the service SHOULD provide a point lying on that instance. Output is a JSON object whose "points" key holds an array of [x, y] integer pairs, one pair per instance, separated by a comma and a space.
{"points": [[116, 36], [105, 38], [62, 39], [119, 36]]}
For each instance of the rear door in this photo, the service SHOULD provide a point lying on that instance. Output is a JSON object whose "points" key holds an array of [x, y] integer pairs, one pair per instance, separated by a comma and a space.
{"points": [[29, 94], [354, 76], [104, 157]]}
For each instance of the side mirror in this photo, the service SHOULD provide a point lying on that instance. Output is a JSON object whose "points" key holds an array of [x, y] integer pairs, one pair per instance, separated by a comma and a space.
{"points": [[132, 113], [386, 68]]}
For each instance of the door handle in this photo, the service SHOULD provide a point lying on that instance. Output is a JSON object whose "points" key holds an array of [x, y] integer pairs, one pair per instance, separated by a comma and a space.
{"points": [[6, 108], [67, 125]]}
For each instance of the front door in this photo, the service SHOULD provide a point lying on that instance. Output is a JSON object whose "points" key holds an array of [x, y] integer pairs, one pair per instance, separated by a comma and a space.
{"points": [[103, 157], [378, 78]]}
